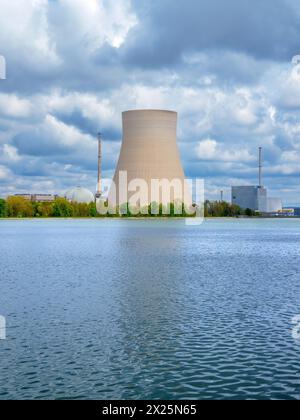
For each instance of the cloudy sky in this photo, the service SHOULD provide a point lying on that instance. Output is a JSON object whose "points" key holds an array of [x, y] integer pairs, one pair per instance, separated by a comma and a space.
{"points": [[226, 66]]}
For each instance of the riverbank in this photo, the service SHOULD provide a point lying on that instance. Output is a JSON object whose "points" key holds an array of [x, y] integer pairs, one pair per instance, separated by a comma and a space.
{"points": [[152, 218]]}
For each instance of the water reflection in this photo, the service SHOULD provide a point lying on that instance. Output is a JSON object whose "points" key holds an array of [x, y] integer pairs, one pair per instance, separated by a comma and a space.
{"points": [[116, 309]]}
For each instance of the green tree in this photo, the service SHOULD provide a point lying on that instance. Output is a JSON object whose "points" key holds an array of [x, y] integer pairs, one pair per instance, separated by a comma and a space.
{"points": [[62, 208], [249, 212], [81, 210], [93, 210], [221, 209], [19, 207], [3, 208], [44, 209]]}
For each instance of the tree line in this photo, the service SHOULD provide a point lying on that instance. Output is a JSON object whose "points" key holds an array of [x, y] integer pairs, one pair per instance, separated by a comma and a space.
{"points": [[225, 209], [19, 207]]}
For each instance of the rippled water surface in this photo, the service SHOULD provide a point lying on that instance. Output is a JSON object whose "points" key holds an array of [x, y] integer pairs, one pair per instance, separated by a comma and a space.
{"points": [[149, 310]]}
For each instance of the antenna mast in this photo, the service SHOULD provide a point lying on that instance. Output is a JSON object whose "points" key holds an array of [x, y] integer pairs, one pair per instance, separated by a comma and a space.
{"points": [[260, 167]]}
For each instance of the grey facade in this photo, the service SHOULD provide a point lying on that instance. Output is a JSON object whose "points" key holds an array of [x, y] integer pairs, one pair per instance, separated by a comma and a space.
{"points": [[38, 198], [250, 197]]}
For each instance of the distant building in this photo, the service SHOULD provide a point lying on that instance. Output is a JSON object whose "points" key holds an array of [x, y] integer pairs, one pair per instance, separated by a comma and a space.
{"points": [[291, 211], [43, 198], [287, 212], [38, 198], [274, 205], [256, 197], [250, 197], [80, 195]]}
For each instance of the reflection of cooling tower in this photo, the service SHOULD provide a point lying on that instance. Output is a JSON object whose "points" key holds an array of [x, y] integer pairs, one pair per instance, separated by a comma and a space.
{"points": [[149, 151]]}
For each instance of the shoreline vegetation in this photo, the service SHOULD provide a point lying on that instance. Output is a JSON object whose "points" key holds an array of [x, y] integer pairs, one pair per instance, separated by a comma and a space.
{"points": [[19, 208]]}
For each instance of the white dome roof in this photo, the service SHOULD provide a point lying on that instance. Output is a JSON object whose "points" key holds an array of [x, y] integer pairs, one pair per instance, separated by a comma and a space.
{"points": [[80, 195]]}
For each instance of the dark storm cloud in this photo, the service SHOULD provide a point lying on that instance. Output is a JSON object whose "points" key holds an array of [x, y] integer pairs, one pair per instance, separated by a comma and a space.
{"points": [[90, 74], [166, 32], [88, 126], [33, 143], [268, 29], [190, 55]]}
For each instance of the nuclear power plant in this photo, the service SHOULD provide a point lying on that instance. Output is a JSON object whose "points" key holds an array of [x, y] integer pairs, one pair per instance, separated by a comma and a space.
{"points": [[149, 152], [255, 197], [149, 167]]}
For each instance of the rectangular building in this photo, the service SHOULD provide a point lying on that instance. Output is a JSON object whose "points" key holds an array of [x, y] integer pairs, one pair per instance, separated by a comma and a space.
{"points": [[287, 212], [38, 198], [43, 198], [250, 197]]}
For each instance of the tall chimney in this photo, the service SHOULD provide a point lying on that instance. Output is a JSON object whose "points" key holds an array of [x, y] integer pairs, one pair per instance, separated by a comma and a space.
{"points": [[99, 183], [260, 167]]}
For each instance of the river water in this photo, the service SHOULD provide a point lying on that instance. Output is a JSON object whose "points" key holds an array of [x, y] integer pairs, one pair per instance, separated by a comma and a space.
{"points": [[116, 309]]}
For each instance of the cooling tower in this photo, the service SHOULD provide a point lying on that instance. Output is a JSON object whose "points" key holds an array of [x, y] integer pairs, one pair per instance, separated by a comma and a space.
{"points": [[149, 152]]}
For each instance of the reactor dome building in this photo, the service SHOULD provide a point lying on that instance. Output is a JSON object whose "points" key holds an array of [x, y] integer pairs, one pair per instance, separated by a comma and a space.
{"points": [[80, 195], [149, 152]]}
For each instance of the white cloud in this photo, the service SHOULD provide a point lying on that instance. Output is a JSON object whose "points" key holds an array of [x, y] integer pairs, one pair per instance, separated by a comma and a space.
{"points": [[9, 153], [288, 94], [64, 134], [25, 33], [283, 169], [42, 35], [91, 24], [90, 105], [209, 149], [4, 172], [13, 106], [291, 156]]}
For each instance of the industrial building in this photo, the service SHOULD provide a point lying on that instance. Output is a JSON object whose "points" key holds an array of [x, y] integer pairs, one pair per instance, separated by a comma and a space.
{"points": [[255, 197], [80, 195], [290, 212], [149, 152], [250, 197], [38, 198]]}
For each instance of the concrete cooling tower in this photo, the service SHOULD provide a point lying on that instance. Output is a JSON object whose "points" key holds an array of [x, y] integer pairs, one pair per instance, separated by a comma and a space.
{"points": [[149, 152]]}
